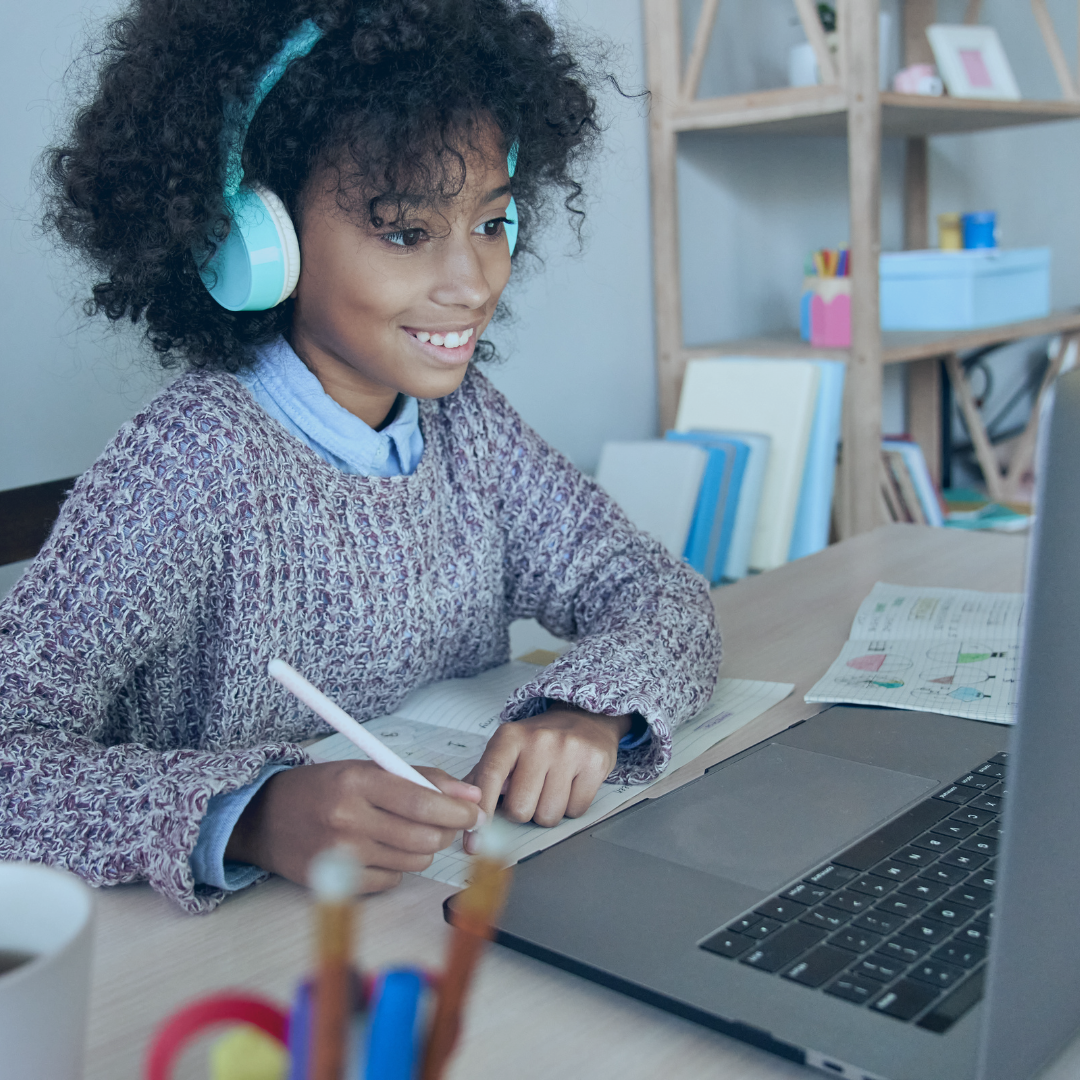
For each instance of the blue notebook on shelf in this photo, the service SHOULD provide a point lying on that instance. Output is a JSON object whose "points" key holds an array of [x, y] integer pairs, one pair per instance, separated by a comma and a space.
{"points": [[812, 518], [749, 501], [709, 541]]}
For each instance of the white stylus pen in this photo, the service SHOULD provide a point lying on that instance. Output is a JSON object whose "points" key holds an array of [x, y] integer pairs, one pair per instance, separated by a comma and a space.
{"points": [[338, 718]]}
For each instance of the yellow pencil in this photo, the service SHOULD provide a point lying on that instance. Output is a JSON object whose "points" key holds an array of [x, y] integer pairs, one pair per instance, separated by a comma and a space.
{"points": [[475, 912], [335, 879]]}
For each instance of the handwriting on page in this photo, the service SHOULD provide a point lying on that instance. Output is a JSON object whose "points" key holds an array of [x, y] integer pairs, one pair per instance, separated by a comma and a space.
{"points": [[951, 651]]}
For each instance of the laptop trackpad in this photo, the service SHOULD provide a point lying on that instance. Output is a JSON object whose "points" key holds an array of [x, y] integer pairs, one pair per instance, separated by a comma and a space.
{"points": [[769, 817]]}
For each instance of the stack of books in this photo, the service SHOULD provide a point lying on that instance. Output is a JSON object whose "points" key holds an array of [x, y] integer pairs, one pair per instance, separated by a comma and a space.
{"points": [[745, 481], [906, 486]]}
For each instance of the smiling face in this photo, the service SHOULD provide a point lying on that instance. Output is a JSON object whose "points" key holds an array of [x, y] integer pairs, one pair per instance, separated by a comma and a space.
{"points": [[398, 309]]}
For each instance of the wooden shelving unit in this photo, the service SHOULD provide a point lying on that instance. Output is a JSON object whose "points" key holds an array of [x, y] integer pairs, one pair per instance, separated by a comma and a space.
{"points": [[849, 103]]}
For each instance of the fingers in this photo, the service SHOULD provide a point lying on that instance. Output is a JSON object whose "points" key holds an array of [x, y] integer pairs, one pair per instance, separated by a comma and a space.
{"points": [[456, 789], [417, 804], [376, 880], [493, 770]]}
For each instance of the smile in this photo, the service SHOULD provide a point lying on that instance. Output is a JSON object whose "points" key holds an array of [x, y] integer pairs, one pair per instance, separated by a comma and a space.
{"points": [[452, 339]]}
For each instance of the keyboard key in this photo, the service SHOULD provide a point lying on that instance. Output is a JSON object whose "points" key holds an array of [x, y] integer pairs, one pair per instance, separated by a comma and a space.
{"points": [[954, 794], [913, 856], [973, 816], [725, 943], [740, 926], [956, 952], [818, 966], [981, 845], [966, 860], [906, 950], [992, 830], [949, 913], [949, 827], [855, 988], [977, 781], [931, 933], [903, 906], [831, 876], [924, 890], [855, 940], [878, 922], [895, 871], [762, 928], [934, 842], [991, 768], [826, 918], [986, 801], [936, 973], [950, 1008], [906, 999], [1001, 759], [784, 910], [986, 878], [882, 968], [879, 845], [973, 934], [807, 894], [872, 885], [949, 875], [783, 947], [849, 901], [970, 895]]}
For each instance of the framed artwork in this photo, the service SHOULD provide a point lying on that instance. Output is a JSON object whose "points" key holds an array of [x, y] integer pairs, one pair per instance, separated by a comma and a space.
{"points": [[972, 62]]}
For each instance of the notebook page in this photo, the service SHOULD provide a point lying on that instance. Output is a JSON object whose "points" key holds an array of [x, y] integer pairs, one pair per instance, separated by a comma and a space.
{"points": [[893, 612], [734, 704]]}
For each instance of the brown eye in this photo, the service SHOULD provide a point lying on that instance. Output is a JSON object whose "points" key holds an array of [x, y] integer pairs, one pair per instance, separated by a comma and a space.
{"points": [[494, 227], [405, 237]]}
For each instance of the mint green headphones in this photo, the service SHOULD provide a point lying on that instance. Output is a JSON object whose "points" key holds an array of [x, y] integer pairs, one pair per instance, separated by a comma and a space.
{"points": [[258, 264]]}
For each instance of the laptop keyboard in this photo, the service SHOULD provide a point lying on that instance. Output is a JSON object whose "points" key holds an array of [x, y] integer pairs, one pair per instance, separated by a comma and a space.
{"points": [[900, 921]]}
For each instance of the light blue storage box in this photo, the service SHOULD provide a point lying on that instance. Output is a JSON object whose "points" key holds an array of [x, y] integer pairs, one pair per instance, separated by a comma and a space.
{"points": [[963, 290]]}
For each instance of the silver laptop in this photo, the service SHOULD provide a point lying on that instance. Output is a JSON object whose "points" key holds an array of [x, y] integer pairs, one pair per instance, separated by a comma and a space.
{"points": [[882, 895]]}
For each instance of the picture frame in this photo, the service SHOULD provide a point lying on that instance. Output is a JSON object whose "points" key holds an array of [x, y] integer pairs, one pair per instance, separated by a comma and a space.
{"points": [[972, 62]]}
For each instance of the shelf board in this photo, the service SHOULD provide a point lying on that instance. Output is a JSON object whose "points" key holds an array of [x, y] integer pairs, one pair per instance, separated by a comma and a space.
{"points": [[900, 346], [822, 110]]}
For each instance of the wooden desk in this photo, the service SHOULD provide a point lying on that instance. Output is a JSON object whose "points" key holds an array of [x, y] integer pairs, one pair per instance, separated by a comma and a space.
{"points": [[528, 1020]]}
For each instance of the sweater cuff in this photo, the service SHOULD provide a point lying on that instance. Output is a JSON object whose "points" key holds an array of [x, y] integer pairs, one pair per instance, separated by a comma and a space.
{"points": [[207, 859]]}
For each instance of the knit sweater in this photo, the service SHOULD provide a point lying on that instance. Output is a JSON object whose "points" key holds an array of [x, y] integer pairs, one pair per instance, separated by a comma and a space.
{"points": [[207, 540]]}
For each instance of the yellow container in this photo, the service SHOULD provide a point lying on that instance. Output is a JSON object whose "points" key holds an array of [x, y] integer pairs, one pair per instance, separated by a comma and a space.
{"points": [[950, 232]]}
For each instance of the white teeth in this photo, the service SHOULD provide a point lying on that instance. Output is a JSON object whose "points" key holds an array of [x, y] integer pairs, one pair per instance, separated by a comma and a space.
{"points": [[437, 339], [466, 336], [452, 340], [423, 336]]}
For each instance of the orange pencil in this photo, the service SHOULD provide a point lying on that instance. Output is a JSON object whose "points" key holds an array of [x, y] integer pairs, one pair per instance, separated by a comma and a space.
{"points": [[335, 879], [475, 911]]}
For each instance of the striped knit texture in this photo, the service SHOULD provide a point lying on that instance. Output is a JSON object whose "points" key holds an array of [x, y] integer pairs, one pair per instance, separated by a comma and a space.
{"points": [[206, 540]]}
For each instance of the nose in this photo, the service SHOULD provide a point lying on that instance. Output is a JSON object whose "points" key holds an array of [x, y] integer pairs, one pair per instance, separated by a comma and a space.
{"points": [[461, 280]]}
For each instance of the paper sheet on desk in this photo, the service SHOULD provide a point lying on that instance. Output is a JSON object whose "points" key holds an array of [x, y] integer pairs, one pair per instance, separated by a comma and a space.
{"points": [[950, 651], [467, 711]]}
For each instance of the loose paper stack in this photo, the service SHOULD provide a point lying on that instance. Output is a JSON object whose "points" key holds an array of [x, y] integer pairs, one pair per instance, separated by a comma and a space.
{"points": [[951, 651]]}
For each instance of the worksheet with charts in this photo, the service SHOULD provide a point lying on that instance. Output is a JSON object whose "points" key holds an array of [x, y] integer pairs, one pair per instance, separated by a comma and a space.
{"points": [[448, 724], [951, 651]]}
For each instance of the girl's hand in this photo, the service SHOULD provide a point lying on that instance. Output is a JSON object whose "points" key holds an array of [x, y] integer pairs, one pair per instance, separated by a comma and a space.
{"points": [[394, 825], [548, 766]]}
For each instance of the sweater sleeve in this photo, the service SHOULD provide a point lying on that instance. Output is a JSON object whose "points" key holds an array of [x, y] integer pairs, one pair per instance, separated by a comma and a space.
{"points": [[643, 622], [87, 783]]}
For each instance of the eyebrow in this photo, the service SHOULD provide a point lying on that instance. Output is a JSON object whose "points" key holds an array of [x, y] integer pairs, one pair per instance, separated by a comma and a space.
{"points": [[497, 193]]}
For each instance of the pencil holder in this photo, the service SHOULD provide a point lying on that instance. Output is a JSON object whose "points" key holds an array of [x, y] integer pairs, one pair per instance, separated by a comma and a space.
{"points": [[825, 313], [386, 1040]]}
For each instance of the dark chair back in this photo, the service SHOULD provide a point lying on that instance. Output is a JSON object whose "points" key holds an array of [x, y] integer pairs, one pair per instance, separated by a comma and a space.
{"points": [[26, 516]]}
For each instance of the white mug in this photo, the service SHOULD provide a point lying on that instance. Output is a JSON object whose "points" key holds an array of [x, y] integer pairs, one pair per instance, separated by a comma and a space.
{"points": [[46, 926]]}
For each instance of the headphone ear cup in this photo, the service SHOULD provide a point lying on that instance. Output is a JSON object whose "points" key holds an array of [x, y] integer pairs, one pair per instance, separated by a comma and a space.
{"points": [[510, 226], [258, 264]]}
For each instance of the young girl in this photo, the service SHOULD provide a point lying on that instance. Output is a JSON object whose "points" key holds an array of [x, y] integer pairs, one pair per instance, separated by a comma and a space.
{"points": [[332, 481]]}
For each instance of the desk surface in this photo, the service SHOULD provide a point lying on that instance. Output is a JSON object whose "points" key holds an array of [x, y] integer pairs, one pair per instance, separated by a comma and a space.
{"points": [[526, 1019]]}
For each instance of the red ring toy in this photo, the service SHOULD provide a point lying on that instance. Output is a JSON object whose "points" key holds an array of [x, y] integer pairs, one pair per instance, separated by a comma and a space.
{"points": [[175, 1033]]}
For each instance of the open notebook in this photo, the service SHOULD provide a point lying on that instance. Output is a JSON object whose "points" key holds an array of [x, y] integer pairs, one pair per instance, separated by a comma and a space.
{"points": [[951, 651], [448, 724]]}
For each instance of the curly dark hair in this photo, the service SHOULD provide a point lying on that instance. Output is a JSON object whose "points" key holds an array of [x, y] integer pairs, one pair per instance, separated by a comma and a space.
{"points": [[390, 96]]}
